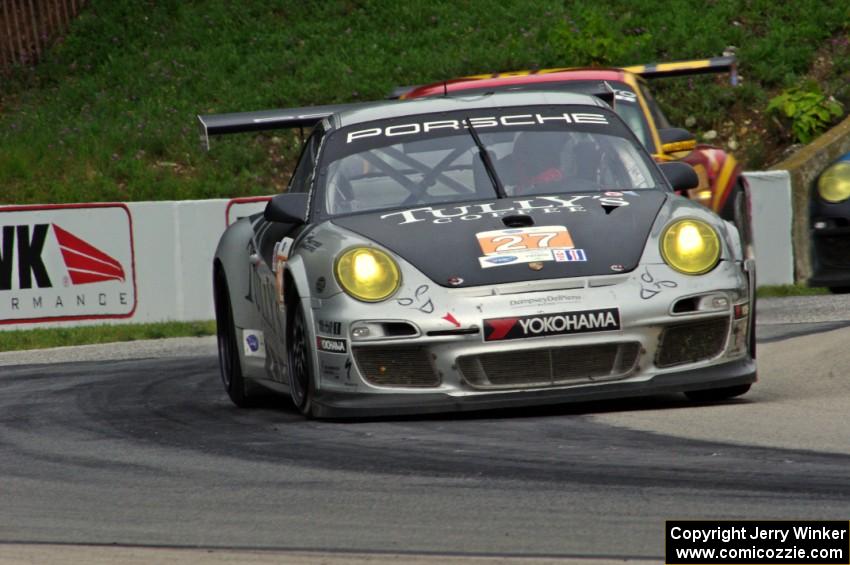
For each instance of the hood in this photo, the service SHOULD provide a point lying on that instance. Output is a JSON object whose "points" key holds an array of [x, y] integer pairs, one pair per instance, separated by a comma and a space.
{"points": [[499, 241]]}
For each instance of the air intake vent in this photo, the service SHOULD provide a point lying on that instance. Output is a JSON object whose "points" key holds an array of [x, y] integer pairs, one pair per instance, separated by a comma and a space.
{"points": [[400, 366], [691, 342], [548, 367]]}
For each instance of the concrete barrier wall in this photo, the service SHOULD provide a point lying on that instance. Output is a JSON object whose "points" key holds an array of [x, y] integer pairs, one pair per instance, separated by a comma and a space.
{"points": [[146, 262], [111, 263], [770, 200]]}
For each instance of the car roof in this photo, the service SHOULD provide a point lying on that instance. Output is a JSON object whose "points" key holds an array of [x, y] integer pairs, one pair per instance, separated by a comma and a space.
{"points": [[418, 106]]}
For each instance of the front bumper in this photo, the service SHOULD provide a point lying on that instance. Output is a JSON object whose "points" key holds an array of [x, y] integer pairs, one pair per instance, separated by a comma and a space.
{"points": [[830, 239], [342, 405], [459, 369]]}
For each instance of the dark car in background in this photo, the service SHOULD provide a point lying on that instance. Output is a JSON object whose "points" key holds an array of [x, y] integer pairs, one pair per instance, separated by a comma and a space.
{"points": [[830, 227]]}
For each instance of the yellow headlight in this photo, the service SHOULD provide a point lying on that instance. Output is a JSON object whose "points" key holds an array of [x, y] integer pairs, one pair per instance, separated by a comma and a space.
{"points": [[834, 182], [690, 246], [367, 274]]}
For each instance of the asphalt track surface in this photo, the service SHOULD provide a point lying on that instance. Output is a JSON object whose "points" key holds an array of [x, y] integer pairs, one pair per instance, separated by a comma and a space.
{"points": [[139, 460]]}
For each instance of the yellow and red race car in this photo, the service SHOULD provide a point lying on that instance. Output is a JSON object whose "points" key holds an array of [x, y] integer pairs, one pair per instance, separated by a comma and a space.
{"points": [[722, 188]]}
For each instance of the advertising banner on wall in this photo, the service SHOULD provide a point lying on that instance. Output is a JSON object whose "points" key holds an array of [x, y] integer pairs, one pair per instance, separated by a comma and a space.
{"points": [[66, 262]]}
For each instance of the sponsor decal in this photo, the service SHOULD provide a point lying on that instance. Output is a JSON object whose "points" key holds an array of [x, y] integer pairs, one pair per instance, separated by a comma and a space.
{"points": [[455, 281], [321, 283], [519, 240], [451, 319], [348, 369], [329, 327], [566, 255], [625, 95], [531, 256], [331, 345], [66, 262], [650, 287], [281, 256], [497, 260], [413, 128], [538, 301], [535, 266], [420, 300], [254, 343], [332, 370], [310, 243], [541, 325], [617, 268], [472, 212]]}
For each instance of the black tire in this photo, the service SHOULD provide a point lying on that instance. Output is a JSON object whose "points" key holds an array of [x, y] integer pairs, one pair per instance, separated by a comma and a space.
{"points": [[740, 216], [839, 289], [716, 394], [234, 382], [302, 385]]}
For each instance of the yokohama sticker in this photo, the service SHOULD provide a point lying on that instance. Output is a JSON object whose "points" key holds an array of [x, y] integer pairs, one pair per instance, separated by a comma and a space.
{"points": [[66, 262], [331, 345], [562, 323]]}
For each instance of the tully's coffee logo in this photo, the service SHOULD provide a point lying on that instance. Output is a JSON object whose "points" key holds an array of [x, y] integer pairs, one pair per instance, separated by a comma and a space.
{"points": [[331, 345], [66, 262], [540, 325]]}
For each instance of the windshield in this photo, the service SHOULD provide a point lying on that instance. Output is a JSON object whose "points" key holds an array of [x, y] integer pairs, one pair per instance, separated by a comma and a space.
{"points": [[423, 160], [626, 105]]}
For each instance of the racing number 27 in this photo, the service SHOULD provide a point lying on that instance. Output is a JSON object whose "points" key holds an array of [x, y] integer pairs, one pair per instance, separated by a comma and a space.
{"points": [[542, 237]]}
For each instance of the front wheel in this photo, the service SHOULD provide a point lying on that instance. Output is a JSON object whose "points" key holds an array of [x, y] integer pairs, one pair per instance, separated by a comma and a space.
{"points": [[716, 394], [737, 211], [301, 383]]}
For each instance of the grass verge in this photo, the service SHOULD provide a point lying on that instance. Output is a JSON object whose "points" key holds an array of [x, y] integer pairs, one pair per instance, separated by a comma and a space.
{"points": [[17, 340], [773, 291]]}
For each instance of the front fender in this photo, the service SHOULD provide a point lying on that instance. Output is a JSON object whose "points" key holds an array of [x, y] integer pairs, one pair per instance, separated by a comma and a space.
{"points": [[233, 257]]}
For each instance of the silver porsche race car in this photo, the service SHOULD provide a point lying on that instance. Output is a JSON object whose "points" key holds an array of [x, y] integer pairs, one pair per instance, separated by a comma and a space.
{"points": [[478, 252]]}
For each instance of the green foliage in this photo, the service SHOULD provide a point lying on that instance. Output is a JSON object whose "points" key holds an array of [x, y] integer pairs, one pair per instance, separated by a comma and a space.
{"points": [[110, 112], [808, 109], [594, 38], [17, 340], [781, 290]]}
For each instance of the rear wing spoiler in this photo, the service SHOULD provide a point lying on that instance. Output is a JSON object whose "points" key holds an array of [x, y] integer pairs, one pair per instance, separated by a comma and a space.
{"points": [[265, 120], [601, 90], [724, 64]]}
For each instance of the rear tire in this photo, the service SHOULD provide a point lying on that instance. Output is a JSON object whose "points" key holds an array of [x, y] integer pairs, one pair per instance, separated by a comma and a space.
{"points": [[228, 349], [839, 289], [716, 394], [302, 385]]}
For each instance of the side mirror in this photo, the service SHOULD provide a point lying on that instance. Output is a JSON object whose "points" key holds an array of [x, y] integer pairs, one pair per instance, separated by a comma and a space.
{"points": [[287, 208], [681, 176], [676, 139]]}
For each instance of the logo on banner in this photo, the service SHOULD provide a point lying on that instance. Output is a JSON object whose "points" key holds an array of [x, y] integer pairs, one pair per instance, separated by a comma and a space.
{"points": [[65, 262]]}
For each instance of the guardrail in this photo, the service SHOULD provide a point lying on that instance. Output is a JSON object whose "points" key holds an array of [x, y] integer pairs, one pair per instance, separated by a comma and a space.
{"points": [[29, 27]]}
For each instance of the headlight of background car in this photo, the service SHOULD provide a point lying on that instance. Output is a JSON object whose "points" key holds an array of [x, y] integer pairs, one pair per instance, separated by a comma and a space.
{"points": [[690, 246], [834, 182], [367, 274]]}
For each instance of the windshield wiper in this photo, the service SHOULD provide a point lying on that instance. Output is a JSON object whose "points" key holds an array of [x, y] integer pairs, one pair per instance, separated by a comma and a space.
{"points": [[488, 163]]}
